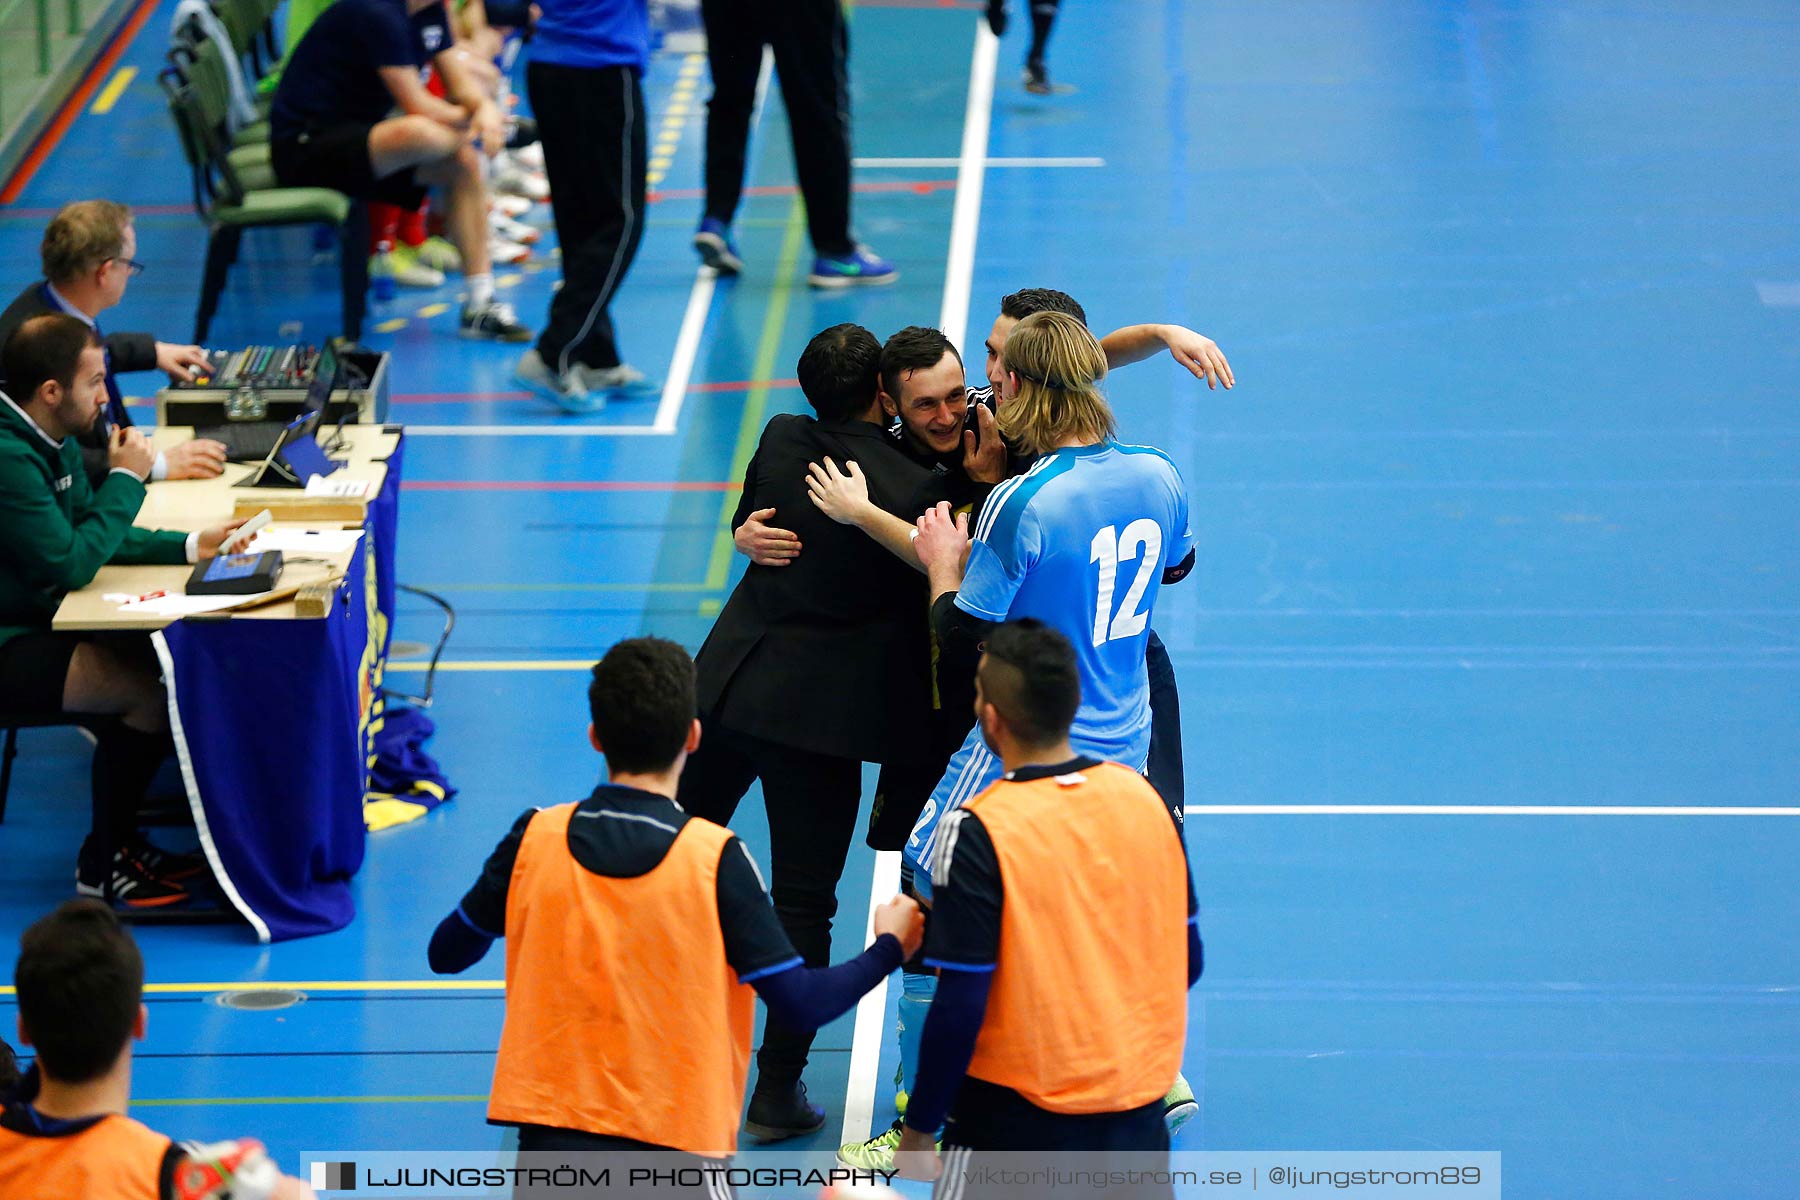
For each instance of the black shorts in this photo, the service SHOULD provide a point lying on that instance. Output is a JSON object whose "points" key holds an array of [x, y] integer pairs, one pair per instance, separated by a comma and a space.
{"points": [[995, 1127], [33, 669], [550, 1148], [337, 157]]}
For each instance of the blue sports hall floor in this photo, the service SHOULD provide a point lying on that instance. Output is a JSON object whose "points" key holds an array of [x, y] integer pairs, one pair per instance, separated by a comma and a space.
{"points": [[1499, 526]]}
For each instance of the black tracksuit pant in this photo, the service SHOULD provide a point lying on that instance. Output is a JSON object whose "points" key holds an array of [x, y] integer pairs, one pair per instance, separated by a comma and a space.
{"points": [[812, 48], [812, 801], [591, 121]]}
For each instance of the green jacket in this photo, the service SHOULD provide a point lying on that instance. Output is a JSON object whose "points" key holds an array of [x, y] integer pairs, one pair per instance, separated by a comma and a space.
{"points": [[56, 531]]}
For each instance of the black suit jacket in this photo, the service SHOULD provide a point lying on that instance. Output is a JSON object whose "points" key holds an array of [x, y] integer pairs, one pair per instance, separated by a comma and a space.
{"points": [[832, 652], [124, 352]]}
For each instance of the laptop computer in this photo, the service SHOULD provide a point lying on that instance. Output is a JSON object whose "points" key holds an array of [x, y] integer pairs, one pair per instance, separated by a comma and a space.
{"points": [[254, 441]]}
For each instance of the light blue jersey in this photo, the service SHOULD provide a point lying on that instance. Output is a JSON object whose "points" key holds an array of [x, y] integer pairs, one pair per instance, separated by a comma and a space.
{"points": [[1080, 541]]}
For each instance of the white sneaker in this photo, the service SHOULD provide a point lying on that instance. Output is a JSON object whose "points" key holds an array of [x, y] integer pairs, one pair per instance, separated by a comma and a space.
{"points": [[512, 206], [515, 181], [505, 253], [514, 231], [530, 157]]}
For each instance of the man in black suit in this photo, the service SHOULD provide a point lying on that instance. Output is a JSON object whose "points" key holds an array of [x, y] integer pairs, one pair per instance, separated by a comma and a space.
{"points": [[87, 255], [813, 668]]}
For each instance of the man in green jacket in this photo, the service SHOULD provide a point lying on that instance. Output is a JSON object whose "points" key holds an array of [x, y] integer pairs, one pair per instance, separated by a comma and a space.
{"points": [[56, 532]]}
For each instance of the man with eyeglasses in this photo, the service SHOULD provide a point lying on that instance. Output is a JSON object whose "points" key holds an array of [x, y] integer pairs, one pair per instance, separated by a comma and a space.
{"points": [[88, 255]]}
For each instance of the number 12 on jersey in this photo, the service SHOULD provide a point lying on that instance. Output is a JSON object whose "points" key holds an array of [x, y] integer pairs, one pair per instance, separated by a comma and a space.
{"points": [[1110, 548]]}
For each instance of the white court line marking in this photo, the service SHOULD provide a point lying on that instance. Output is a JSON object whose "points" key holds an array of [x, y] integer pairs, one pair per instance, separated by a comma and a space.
{"points": [[965, 219], [1482, 810], [687, 348], [871, 1015], [681, 363], [959, 272], [882, 163], [668, 409]]}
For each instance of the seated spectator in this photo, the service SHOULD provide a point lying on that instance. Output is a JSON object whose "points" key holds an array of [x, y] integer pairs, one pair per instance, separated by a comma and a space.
{"points": [[63, 1131], [89, 257], [55, 533], [330, 127]]}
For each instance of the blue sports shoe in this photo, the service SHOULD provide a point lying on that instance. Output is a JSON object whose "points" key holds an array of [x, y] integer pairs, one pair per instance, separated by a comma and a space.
{"points": [[567, 392], [713, 241], [860, 267], [621, 382]]}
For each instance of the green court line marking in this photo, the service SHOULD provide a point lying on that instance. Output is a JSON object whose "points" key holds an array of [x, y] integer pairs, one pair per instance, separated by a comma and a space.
{"points": [[244, 1101], [756, 400]]}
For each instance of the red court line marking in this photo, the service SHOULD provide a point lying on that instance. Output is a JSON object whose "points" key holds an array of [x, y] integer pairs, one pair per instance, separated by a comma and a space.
{"points": [[918, 187], [734, 385], [73, 106], [569, 485]]}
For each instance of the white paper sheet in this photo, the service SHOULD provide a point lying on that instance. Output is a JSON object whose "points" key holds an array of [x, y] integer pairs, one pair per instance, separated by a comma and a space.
{"points": [[184, 606], [305, 541], [326, 485]]}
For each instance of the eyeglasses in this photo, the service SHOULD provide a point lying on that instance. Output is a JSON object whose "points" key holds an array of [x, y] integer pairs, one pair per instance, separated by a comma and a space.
{"points": [[133, 268]]}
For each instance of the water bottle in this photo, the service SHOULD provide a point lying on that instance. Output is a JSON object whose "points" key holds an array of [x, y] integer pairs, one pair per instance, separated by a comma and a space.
{"points": [[381, 274]]}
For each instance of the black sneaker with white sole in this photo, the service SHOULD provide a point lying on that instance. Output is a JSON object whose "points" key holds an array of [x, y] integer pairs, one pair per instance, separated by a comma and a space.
{"points": [[133, 884], [494, 320]]}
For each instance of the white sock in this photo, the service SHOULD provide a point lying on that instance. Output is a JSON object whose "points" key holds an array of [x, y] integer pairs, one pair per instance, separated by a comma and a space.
{"points": [[481, 288]]}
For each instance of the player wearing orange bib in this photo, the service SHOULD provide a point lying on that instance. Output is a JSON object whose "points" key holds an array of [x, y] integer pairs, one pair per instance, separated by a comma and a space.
{"points": [[63, 1130], [637, 937], [1065, 933]]}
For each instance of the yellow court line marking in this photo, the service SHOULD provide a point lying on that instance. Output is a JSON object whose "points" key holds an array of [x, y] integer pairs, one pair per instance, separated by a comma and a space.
{"points": [[393, 326], [320, 985], [109, 96], [242, 1101], [434, 310]]}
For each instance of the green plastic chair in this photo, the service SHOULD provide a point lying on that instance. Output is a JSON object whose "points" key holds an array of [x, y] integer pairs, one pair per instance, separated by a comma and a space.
{"points": [[229, 207], [199, 64]]}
